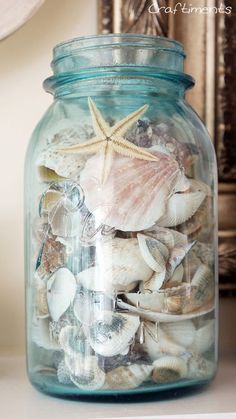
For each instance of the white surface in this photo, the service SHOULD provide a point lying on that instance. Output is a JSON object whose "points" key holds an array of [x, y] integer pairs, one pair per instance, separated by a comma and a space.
{"points": [[25, 63], [20, 400], [14, 13]]}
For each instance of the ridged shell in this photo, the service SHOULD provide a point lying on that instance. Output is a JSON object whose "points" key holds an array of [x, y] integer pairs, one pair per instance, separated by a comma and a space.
{"points": [[120, 264], [157, 342], [203, 286], [183, 333], [112, 333], [134, 186], [65, 221], [85, 372], [61, 288], [169, 368], [204, 337], [181, 207], [127, 377], [153, 252], [73, 341]]}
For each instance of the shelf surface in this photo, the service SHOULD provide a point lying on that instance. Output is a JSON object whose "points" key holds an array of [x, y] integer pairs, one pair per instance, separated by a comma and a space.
{"points": [[20, 400]]}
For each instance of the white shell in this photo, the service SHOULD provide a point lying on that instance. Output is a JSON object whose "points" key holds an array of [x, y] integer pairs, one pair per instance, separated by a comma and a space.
{"points": [[183, 333], [169, 368], [85, 372], [41, 335], [73, 341], [110, 334], [202, 286], [154, 252], [121, 264], [180, 207], [155, 282], [127, 377], [61, 288], [65, 221], [204, 337], [199, 367], [177, 276]]}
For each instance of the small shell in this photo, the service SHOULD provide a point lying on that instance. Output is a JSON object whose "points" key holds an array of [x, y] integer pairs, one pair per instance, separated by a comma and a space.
{"points": [[65, 221], [85, 372], [183, 333], [51, 257], [112, 333], [181, 207], [157, 342], [73, 341], [154, 252], [61, 288], [41, 335], [168, 369], [177, 255], [199, 367], [121, 265], [176, 278], [127, 377], [204, 337], [203, 286], [155, 282]]}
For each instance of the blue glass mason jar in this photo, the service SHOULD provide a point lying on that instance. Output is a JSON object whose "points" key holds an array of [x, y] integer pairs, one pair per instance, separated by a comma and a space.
{"points": [[121, 225]]}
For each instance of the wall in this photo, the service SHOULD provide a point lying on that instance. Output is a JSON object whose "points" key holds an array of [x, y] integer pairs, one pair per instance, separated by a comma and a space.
{"points": [[24, 63]]}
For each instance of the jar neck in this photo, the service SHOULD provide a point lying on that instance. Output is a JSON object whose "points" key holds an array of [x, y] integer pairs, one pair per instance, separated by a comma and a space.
{"points": [[118, 62]]}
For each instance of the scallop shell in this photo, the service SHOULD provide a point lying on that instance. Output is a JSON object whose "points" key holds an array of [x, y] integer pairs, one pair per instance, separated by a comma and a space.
{"points": [[85, 372], [168, 369], [183, 333], [199, 367], [154, 252], [61, 288], [121, 265], [134, 186], [157, 342], [181, 207], [73, 341], [127, 377], [65, 221], [204, 337], [112, 333]]}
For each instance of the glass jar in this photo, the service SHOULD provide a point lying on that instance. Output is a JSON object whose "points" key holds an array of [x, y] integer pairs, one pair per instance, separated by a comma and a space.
{"points": [[121, 225]]}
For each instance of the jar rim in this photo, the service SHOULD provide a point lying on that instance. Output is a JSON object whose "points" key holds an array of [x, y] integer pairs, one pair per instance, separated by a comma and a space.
{"points": [[84, 42]]}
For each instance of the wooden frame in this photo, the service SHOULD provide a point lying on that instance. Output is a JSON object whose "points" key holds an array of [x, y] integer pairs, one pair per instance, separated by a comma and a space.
{"points": [[212, 63]]}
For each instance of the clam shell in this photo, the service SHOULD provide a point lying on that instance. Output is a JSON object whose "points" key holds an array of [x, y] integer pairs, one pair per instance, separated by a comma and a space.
{"points": [[134, 186], [180, 207], [204, 337], [112, 333], [127, 377], [61, 288], [85, 372], [154, 252], [73, 341], [65, 221], [168, 369], [157, 342], [121, 265], [183, 333]]}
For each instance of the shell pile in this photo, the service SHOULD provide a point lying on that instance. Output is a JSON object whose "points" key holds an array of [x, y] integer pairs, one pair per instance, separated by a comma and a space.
{"points": [[122, 289]]}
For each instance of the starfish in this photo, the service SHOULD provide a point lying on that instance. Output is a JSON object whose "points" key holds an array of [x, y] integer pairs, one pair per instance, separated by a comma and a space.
{"points": [[109, 139]]}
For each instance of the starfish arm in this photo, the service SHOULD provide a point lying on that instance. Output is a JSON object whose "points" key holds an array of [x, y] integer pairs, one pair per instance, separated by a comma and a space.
{"points": [[128, 149], [88, 147], [120, 128], [106, 159], [100, 126]]}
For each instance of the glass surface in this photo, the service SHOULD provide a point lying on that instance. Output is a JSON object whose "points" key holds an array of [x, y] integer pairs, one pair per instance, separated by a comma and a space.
{"points": [[121, 225]]}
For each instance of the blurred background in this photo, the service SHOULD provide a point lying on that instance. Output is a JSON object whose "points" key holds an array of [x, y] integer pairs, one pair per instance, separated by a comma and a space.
{"points": [[29, 29]]}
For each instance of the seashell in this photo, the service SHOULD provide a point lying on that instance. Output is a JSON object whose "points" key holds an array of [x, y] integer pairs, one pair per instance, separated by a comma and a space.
{"points": [[181, 207], [134, 356], [199, 367], [112, 333], [120, 264], [182, 183], [65, 221], [85, 372], [127, 377], [41, 302], [63, 373], [177, 255], [134, 186], [73, 341], [168, 369], [41, 336], [51, 257], [183, 333], [170, 238], [155, 282], [61, 288], [154, 252], [202, 286], [176, 278], [157, 342], [48, 175], [48, 200], [204, 337]]}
